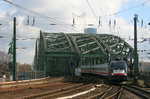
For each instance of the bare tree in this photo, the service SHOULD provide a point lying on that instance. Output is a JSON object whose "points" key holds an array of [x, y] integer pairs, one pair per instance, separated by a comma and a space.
{"points": [[4, 61], [23, 67]]}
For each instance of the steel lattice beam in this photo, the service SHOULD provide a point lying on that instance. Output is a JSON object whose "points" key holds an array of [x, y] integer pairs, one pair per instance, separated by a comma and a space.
{"points": [[79, 47]]}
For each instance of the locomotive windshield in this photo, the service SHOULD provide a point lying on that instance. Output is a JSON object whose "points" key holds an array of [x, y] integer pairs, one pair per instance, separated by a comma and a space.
{"points": [[118, 65]]}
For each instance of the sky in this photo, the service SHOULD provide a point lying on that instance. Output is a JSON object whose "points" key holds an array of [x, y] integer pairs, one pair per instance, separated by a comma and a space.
{"points": [[57, 16]]}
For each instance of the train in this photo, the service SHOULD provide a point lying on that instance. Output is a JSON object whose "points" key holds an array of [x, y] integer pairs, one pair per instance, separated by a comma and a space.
{"points": [[114, 70]]}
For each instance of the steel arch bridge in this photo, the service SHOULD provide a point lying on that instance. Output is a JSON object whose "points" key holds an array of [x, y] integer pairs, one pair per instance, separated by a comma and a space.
{"points": [[60, 52]]}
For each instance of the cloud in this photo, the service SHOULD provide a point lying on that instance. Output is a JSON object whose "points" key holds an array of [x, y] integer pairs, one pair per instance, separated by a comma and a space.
{"points": [[62, 10], [25, 51]]}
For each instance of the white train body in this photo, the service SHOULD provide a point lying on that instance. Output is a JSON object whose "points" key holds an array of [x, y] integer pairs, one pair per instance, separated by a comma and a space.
{"points": [[115, 70]]}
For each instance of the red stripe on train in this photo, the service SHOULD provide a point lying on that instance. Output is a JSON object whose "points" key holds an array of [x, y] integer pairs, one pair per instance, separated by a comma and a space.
{"points": [[118, 74], [95, 72], [99, 72], [85, 71]]}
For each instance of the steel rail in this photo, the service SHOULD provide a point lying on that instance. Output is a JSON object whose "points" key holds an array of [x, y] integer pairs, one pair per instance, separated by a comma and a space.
{"points": [[106, 93], [96, 95], [118, 92], [142, 93], [49, 92], [63, 92], [5, 90]]}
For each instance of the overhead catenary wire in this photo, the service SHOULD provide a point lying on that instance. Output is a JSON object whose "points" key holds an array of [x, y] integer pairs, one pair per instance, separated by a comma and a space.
{"points": [[92, 10], [142, 4], [70, 26], [36, 13], [127, 9], [33, 29], [121, 11], [43, 16], [146, 22], [5, 34], [4, 20], [93, 13]]}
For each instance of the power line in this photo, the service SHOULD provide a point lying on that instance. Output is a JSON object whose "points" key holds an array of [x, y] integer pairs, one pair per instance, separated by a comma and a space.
{"points": [[131, 7], [67, 18], [92, 10], [94, 13], [4, 20], [146, 22], [43, 16], [69, 25], [39, 14], [121, 11]]}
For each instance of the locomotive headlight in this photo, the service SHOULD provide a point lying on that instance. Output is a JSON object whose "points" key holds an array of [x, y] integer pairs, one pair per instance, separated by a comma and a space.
{"points": [[123, 71], [112, 74]]}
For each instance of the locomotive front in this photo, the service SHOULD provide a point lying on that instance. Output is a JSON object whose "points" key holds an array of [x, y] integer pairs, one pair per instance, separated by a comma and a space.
{"points": [[118, 71]]}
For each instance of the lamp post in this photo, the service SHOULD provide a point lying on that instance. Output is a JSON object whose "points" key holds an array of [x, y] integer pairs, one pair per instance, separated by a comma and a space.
{"points": [[136, 72], [14, 50]]}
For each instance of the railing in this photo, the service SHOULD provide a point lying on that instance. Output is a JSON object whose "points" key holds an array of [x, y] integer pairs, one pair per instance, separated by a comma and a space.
{"points": [[144, 76], [30, 75]]}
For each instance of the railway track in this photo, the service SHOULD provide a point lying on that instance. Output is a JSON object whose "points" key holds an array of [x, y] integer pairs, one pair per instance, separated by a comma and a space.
{"points": [[96, 96], [30, 82], [101, 93], [112, 92], [15, 89], [9, 93], [136, 90], [57, 92], [88, 89]]}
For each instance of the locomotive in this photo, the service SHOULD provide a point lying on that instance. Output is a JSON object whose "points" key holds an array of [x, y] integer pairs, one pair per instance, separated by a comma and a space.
{"points": [[114, 70]]}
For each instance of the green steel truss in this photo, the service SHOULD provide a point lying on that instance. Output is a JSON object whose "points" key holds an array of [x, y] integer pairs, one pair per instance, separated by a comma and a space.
{"points": [[59, 52]]}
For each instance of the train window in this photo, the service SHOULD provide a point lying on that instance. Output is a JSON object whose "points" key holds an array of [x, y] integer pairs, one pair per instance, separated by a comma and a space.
{"points": [[91, 61], [83, 61], [118, 65], [97, 61]]}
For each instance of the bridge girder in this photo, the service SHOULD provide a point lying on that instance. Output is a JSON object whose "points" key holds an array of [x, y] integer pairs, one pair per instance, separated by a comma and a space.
{"points": [[80, 47]]}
